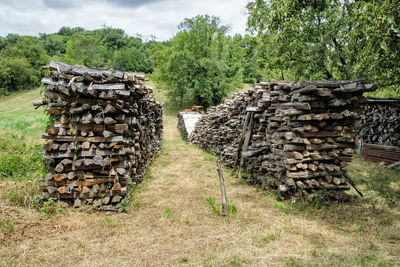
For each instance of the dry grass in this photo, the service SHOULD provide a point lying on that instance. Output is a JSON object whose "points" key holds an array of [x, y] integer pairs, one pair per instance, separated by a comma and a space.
{"points": [[169, 223]]}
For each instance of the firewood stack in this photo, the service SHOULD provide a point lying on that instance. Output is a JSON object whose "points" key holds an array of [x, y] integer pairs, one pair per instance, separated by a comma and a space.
{"points": [[218, 130], [107, 130], [291, 136], [380, 122]]}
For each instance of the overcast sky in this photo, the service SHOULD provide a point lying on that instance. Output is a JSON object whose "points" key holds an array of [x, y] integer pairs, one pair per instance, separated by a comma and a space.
{"points": [[147, 17]]}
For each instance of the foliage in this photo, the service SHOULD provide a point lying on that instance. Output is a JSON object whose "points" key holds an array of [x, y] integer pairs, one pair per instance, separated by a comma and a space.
{"points": [[20, 158], [54, 44], [85, 49], [21, 65], [112, 38], [6, 226], [376, 34], [11, 38], [252, 60], [67, 31], [317, 198], [200, 65], [16, 74], [123, 206], [215, 207], [131, 59], [298, 37], [50, 208], [212, 202], [328, 39]]}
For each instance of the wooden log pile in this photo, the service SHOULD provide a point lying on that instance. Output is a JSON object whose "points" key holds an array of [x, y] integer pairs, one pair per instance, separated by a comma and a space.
{"points": [[292, 136], [218, 130], [107, 130], [380, 122]]}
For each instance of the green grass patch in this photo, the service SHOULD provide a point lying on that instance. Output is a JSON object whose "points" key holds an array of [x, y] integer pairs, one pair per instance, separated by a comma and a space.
{"points": [[209, 157], [185, 259], [217, 208], [377, 183], [6, 226], [284, 206], [19, 157], [20, 137], [265, 237], [168, 213]]}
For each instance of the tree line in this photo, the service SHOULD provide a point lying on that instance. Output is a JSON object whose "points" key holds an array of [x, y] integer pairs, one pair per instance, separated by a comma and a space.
{"points": [[22, 57], [202, 63]]}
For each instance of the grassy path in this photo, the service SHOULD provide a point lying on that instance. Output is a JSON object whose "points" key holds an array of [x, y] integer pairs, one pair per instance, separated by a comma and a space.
{"points": [[170, 223]]}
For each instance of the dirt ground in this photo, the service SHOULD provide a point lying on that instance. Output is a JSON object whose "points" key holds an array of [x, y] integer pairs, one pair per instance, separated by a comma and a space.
{"points": [[170, 223]]}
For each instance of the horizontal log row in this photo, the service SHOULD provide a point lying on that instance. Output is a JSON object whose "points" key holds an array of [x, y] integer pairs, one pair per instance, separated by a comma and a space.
{"points": [[380, 122], [107, 130], [286, 135]]}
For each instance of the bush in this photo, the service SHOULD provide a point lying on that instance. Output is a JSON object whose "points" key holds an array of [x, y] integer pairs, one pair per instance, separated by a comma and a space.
{"points": [[21, 65], [131, 59]]}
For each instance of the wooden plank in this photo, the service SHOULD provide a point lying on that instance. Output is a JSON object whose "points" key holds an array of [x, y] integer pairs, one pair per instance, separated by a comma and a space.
{"points": [[253, 109], [109, 86]]}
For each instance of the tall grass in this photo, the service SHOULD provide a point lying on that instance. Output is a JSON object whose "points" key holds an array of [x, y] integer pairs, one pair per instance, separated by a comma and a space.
{"points": [[20, 143]]}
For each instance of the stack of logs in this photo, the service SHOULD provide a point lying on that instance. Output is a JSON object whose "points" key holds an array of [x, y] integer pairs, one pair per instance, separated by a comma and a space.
{"points": [[219, 129], [380, 122], [295, 137], [107, 129]]}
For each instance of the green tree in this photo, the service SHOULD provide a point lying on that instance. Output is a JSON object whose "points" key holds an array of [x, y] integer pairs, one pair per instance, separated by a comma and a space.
{"points": [[131, 59], [54, 44], [329, 39], [376, 36], [21, 65], [11, 38], [199, 66], [299, 38], [17, 74], [86, 49], [67, 31], [112, 38], [252, 61]]}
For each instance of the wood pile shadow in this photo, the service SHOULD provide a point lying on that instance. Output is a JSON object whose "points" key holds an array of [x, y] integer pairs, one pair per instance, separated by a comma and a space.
{"points": [[107, 128]]}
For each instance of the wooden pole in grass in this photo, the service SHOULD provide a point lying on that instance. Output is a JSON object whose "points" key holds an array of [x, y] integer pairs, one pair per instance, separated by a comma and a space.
{"points": [[223, 192]]}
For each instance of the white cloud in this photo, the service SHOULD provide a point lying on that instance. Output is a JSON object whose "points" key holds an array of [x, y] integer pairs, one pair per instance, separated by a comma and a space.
{"points": [[154, 17]]}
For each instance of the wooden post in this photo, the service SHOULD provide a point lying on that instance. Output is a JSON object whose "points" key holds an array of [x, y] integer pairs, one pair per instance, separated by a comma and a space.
{"points": [[223, 192], [353, 184], [242, 137], [246, 144]]}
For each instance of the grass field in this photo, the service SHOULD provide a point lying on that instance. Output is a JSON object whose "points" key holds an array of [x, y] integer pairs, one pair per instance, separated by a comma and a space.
{"points": [[171, 222]]}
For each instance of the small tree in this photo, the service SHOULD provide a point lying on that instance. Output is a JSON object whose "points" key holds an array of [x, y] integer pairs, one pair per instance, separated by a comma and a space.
{"points": [[85, 49], [199, 65]]}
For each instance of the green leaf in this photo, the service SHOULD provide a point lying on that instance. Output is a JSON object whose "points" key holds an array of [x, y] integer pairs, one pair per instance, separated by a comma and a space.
{"points": [[383, 45]]}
